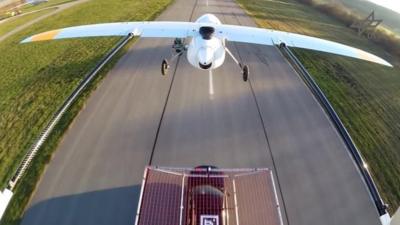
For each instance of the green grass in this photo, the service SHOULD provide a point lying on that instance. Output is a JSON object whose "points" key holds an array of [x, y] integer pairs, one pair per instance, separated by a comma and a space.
{"points": [[36, 78], [366, 96], [39, 84], [13, 23]]}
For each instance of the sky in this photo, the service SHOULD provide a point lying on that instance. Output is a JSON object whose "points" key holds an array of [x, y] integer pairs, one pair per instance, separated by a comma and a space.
{"points": [[391, 4]]}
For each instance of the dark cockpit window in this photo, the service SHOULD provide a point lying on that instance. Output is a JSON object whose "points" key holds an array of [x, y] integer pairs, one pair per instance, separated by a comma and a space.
{"points": [[206, 32], [205, 67]]}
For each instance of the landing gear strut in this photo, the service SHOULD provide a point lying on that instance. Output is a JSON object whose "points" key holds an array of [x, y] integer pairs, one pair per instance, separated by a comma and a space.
{"points": [[179, 48], [244, 68]]}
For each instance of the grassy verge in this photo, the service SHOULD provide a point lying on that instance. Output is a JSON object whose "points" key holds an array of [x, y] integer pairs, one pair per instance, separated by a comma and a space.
{"points": [[11, 24], [365, 95], [36, 79]]}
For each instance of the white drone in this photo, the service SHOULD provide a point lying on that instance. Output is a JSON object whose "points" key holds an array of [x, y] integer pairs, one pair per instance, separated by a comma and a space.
{"points": [[207, 47]]}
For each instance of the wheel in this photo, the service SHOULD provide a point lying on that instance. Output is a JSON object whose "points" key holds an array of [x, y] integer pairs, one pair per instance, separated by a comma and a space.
{"points": [[164, 67], [206, 167], [245, 73]]}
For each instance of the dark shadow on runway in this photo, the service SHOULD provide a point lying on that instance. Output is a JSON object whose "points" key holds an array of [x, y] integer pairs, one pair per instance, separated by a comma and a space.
{"points": [[110, 206]]}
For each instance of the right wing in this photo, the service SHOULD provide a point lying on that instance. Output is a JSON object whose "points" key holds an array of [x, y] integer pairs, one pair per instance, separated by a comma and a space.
{"points": [[273, 37], [143, 29]]}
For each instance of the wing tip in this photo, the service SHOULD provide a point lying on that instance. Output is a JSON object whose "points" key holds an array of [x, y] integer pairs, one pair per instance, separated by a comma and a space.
{"points": [[388, 64], [49, 35], [382, 62], [372, 58], [26, 40]]}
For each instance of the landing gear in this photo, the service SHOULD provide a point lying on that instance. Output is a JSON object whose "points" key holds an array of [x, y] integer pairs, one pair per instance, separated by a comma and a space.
{"points": [[245, 71], [244, 68], [179, 45], [164, 67], [179, 48]]}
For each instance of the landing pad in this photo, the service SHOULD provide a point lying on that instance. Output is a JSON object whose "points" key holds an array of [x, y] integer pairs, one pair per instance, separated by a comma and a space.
{"points": [[208, 196]]}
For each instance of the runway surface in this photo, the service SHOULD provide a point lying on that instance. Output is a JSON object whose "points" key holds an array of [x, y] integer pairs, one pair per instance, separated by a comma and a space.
{"points": [[188, 118]]}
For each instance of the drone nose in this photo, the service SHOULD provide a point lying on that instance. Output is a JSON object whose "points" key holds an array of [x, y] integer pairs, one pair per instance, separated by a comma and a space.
{"points": [[205, 66], [205, 56]]}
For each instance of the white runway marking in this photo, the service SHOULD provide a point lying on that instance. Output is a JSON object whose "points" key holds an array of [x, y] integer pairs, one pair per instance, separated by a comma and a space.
{"points": [[211, 84]]}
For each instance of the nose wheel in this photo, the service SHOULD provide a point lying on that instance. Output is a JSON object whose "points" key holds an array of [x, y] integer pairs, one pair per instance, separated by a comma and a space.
{"points": [[245, 72]]}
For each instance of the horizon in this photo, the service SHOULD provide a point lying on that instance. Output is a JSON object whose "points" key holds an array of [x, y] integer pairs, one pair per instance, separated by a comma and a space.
{"points": [[389, 4]]}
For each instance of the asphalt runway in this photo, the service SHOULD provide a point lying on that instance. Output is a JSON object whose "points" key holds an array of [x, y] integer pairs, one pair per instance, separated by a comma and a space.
{"points": [[189, 118]]}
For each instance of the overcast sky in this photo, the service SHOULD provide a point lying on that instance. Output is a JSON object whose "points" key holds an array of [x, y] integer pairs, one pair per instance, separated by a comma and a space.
{"points": [[391, 4]]}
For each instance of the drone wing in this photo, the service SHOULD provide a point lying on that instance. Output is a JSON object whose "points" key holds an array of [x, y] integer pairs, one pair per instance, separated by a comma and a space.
{"points": [[189, 29], [143, 29], [273, 37]]}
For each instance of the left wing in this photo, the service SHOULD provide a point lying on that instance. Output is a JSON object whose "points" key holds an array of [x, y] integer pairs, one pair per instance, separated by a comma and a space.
{"points": [[143, 29]]}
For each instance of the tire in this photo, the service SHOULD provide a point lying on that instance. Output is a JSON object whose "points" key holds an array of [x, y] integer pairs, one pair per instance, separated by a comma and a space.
{"points": [[164, 67], [245, 73], [206, 167]]}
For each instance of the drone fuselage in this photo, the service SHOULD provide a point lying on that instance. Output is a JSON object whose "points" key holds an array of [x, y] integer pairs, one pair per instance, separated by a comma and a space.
{"points": [[205, 51]]}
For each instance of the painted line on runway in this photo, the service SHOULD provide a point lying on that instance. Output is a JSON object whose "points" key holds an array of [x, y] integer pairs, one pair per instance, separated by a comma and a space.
{"points": [[211, 85]]}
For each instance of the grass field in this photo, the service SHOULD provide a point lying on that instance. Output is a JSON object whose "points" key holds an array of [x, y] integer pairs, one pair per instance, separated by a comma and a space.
{"points": [[12, 23], [366, 96], [36, 78]]}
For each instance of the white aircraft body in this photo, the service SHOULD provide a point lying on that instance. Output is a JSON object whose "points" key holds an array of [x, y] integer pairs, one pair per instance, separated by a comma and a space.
{"points": [[208, 36]]}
